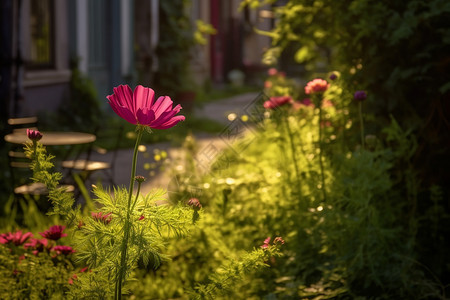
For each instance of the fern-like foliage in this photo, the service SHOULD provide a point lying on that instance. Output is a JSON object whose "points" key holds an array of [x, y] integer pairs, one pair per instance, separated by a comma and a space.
{"points": [[41, 166], [99, 237], [221, 284], [98, 240]]}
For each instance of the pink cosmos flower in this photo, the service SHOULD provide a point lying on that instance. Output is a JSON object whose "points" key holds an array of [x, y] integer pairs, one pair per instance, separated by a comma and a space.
{"points": [[66, 250], [34, 135], [275, 102], [139, 107], [54, 233], [17, 238], [316, 86]]}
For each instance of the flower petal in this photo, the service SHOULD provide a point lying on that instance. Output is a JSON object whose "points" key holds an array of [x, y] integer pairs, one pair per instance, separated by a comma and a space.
{"points": [[161, 105], [143, 97], [145, 116], [172, 122], [124, 97], [126, 114]]}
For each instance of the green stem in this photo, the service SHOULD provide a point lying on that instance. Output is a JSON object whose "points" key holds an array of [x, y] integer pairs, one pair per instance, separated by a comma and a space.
{"points": [[320, 153], [294, 155], [137, 195], [126, 227], [361, 123]]}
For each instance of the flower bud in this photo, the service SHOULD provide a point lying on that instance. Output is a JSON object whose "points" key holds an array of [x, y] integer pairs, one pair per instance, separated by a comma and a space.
{"points": [[195, 203], [34, 135], [139, 178], [360, 95]]}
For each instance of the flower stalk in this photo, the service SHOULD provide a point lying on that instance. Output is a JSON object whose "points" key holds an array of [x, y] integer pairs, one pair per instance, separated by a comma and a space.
{"points": [[126, 227], [294, 155], [322, 173], [361, 124]]}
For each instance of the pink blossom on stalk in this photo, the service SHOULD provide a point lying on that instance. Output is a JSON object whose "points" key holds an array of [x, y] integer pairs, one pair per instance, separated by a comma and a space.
{"points": [[54, 233], [34, 135], [316, 86], [272, 72], [17, 238], [66, 250], [266, 243], [275, 102], [195, 203], [139, 107]]}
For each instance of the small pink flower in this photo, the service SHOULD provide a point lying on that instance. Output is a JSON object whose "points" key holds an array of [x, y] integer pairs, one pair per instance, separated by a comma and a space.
{"points": [[71, 279], [316, 86], [267, 84], [272, 72], [54, 233], [65, 250], [266, 243], [278, 241], [17, 238], [37, 245], [139, 107], [100, 217], [195, 203], [34, 135], [275, 102], [307, 102]]}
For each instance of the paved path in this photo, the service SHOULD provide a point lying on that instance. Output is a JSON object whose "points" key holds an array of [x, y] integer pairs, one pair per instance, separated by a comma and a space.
{"points": [[217, 110]]}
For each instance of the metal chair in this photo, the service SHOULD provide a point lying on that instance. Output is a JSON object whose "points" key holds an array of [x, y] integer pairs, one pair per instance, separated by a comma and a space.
{"points": [[84, 165]]}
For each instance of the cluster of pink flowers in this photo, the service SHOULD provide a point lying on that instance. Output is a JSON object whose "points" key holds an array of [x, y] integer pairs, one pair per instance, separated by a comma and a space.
{"points": [[37, 246], [275, 102], [17, 238], [278, 241], [316, 86]]}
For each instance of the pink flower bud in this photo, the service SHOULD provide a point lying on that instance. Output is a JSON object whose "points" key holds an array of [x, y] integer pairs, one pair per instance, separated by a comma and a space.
{"points": [[34, 135]]}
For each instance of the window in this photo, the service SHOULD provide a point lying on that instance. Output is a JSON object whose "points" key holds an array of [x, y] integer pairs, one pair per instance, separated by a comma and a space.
{"points": [[41, 35]]}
